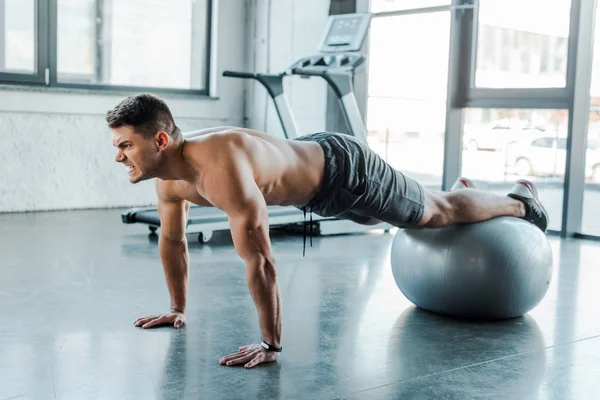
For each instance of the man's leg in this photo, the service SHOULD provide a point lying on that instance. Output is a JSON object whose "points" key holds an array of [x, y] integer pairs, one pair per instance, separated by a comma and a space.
{"points": [[372, 190], [466, 206], [472, 205]]}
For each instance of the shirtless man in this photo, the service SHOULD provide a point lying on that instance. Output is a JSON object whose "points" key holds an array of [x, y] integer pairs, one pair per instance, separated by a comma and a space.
{"points": [[241, 171]]}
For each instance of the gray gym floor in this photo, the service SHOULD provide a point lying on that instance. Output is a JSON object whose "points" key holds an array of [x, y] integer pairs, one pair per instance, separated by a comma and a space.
{"points": [[73, 283]]}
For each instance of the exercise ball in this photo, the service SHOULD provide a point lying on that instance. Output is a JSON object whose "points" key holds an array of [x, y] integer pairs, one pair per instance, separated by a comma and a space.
{"points": [[496, 269]]}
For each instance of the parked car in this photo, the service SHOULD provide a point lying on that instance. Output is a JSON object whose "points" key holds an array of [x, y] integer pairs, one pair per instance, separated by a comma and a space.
{"points": [[547, 156], [498, 135]]}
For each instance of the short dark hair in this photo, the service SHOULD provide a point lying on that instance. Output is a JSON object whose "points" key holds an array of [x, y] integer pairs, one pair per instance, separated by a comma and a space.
{"points": [[146, 113]]}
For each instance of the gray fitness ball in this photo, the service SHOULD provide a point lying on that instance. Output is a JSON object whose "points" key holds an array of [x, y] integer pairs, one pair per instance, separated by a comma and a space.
{"points": [[496, 269]]}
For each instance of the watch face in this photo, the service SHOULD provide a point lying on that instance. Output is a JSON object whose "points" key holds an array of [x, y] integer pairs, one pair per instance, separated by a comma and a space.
{"points": [[267, 346]]}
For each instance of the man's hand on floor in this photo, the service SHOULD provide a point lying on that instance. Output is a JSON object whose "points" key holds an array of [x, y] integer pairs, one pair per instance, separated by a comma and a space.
{"points": [[250, 356], [173, 317]]}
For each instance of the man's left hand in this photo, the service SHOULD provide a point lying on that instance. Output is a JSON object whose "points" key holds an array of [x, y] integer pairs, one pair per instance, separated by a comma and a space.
{"points": [[250, 356]]}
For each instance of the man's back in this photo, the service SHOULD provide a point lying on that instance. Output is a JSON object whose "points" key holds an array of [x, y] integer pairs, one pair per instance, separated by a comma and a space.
{"points": [[287, 172]]}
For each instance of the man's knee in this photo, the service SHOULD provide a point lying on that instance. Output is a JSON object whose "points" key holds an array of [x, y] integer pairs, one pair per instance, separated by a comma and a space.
{"points": [[437, 211]]}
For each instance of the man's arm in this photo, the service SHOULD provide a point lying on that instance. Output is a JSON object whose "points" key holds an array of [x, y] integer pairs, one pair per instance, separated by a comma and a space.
{"points": [[250, 232], [231, 187], [173, 249]]}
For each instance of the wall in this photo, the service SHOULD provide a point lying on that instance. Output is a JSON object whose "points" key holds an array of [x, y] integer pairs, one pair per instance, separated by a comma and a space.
{"points": [[280, 32], [56, 151]]}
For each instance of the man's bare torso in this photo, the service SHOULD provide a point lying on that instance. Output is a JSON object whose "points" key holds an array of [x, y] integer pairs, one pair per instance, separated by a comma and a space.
{"points": [[287, 172]]}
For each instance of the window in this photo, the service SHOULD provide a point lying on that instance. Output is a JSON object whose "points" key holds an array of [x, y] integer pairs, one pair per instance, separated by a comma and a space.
{"points": [[107, 44], [526, 54], [544, 143], [407, 87], [17, 36], [397, 5], [532, 146], [562, 144], [593, 144], [488, 53], [544, 53], [590, 223], [532, 48], [76, 50]]}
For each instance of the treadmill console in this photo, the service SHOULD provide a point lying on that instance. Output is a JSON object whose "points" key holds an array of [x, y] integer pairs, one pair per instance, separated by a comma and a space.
{"points": [[345, 33], [340, 46]]}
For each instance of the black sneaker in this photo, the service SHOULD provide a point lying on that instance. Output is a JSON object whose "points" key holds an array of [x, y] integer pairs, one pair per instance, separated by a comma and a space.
{"points": [[535, 212]]}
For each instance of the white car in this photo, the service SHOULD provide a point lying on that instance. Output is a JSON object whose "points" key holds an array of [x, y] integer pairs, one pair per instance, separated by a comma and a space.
{"points": [[498, 135], [547, 156]]}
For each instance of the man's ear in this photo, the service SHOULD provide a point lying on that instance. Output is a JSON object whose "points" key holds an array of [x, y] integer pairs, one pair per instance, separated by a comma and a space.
{"points": [[162, 139]]}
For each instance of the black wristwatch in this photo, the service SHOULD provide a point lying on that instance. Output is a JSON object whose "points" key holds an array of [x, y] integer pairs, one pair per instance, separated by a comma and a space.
{"points": [[269, 347]]}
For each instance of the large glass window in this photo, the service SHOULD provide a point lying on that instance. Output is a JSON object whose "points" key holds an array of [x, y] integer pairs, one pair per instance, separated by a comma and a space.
{"points": [[76, 33], [590, 224], [132, 43], [396, 5], [501, 146], [406, 107], [106, 43], [522, 44], [17, 36]]}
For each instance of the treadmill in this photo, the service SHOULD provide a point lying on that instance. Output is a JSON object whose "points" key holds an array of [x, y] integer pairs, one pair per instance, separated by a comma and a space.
{"points": [[339, 55]]}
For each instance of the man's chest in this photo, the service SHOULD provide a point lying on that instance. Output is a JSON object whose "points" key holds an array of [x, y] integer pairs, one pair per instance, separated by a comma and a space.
{"points": [[193, 193]]}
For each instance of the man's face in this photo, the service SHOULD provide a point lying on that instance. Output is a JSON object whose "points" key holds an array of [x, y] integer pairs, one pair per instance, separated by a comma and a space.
{"points": [[138, 154]]}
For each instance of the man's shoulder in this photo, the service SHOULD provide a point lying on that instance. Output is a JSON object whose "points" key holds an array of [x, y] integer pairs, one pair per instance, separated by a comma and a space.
{"points": [[225, 149], [167, 191], [207, 131], [215, 143]]}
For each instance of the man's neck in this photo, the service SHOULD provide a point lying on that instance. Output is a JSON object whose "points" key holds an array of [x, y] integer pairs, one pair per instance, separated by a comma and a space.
{"points": [[175, 167]]}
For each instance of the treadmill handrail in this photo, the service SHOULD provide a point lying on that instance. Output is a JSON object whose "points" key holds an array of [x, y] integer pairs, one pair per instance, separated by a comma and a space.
{"points": [[273, 83], [340, 81], [309, 71], [258, 76]]}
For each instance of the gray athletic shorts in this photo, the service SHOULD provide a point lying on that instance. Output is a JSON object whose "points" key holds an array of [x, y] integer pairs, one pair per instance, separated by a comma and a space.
{"points": [[359, 185]]}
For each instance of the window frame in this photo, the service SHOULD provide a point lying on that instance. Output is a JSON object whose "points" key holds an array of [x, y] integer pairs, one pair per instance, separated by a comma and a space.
{"points": [[41, 53], [46, 14]]}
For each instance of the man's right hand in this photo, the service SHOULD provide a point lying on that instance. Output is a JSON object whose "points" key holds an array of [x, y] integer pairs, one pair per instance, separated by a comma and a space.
{"points": [[173, 317]]}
